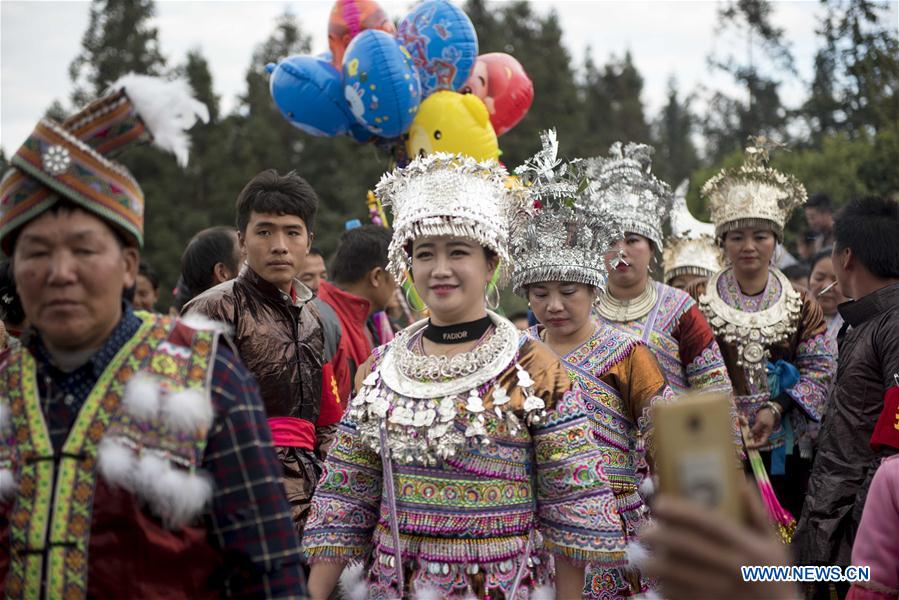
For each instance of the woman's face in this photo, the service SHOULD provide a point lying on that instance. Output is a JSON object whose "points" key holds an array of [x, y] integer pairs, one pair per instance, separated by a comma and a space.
{"points": [[823, 276], [451, 275], [749, 250], [636, 251], [562, 307]]}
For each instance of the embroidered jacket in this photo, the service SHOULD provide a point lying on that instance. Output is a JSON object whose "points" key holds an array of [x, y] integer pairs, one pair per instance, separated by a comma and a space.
{"points": [[465, 522], [134, 492]]}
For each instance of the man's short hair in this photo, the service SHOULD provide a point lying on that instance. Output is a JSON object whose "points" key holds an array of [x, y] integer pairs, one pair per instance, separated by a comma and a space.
{"points": [[870, 227], [208, 248], [272, 193], [359, 251], [821, 255], [316, 251], [820, 201], [797, 271]]}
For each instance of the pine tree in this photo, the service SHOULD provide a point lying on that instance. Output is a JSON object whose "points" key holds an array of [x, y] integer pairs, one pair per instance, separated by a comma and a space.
{"points": [[118, 40], [676, 157]]}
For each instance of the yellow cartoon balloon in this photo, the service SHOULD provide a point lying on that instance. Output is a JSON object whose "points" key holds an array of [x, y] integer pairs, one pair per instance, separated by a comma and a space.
{"points": [[453, 122]]}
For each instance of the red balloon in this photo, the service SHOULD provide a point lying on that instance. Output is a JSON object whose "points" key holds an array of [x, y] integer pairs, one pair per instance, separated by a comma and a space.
{"points": [[348, 18], [507, 91]]}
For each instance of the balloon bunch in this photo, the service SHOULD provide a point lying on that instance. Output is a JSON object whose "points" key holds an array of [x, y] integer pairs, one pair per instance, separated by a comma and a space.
{"points": [[420, 87]]}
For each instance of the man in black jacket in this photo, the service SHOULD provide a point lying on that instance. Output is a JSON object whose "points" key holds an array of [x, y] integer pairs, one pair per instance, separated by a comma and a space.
{"points": [[866, 262]]}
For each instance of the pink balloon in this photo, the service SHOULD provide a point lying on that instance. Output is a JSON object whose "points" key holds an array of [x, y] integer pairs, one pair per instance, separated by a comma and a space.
{"points": [[501, 82]]}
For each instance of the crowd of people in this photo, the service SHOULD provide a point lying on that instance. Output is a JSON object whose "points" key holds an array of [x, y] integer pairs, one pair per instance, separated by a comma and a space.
{"points": [[294, 429]]}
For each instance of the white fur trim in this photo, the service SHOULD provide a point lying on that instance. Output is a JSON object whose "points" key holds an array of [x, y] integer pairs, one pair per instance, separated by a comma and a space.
{"points": [[544, 592], [649, 595], [188, 410], [168, 108], [352, 583], [427, 592], [8, 484], [647, 488], [173, 494], [142, 396], [4, 416], [201, 322], [117, 463], [637, 554]]}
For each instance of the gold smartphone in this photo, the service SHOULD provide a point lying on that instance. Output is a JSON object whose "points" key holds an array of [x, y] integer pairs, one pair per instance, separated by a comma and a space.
{"points": [[694, 452]]}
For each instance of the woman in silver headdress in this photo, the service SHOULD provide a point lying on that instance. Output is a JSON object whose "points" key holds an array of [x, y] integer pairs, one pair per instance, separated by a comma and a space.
{"points": [[774, 338], [468, 463], [667, 319], [558, 259]]}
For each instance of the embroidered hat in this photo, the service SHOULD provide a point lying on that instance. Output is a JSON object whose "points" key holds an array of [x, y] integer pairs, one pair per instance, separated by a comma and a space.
{"points": [[70, 161]]}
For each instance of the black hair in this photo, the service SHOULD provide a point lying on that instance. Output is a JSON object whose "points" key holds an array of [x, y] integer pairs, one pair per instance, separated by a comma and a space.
{"points": [[272, 193], [316, 251], [208, 248], [518, 315], [11, 309], [819, 256], [796, 271], [870, 227], [181, 295], [820, 201], [359, 250], [149, 272]]}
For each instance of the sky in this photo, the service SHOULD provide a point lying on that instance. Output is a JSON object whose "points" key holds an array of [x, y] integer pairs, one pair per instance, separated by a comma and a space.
{"points": [[667, 38]]}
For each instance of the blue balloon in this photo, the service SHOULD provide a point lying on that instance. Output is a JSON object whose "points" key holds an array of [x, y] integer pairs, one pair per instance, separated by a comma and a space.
{"points": [[308, 92], [443, 44], [381, 86]]}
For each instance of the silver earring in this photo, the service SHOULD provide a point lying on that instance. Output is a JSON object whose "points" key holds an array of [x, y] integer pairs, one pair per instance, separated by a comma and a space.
{"points": [[492, 297]]}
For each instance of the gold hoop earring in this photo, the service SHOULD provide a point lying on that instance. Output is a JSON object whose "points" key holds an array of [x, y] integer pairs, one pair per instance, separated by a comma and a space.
{"points": [[492, 297]]}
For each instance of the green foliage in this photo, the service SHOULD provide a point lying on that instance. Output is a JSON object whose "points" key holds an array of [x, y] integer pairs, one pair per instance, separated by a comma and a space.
{"points": [[845, 136]]}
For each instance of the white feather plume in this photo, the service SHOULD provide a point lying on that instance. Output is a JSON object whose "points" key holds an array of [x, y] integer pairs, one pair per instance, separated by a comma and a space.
{"points": [[142, 396], [188, 410], [117, 463], [352, 583], [647, 488], [168, 108]]}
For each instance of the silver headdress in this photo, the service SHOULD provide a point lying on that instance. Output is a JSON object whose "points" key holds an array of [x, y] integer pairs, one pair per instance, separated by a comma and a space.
{"points": [[623, 185], [448, 195], [691, 248], [566, 237], [753, 194]]}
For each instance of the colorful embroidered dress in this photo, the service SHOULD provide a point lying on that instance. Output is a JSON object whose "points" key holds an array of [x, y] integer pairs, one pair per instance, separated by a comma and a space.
{"points": [[490, 477], [806, 345], [621, 380], [681, 339]]}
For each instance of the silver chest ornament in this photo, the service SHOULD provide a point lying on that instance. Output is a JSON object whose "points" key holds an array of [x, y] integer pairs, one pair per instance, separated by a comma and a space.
{"points": [[753, 333], [428, 421]]}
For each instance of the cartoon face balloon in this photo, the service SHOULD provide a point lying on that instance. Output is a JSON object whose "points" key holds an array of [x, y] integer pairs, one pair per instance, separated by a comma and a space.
{"points": [[507, 91], [351, 17], [381, 86], [455, 123]]}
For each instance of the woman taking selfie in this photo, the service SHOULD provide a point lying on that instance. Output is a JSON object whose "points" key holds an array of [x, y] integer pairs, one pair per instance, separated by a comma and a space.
{"points": [[773, 338], [559, 267], [467, 463]]}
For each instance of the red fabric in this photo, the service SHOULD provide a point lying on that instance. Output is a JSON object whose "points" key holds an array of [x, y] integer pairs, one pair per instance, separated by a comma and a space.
{"points": [[293, 432], [693, 335], [355, 346], [886, 430], [331, 410]]}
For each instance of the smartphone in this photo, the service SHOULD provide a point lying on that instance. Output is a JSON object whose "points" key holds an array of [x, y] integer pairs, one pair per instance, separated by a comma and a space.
{"points": [[694, 452]]}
